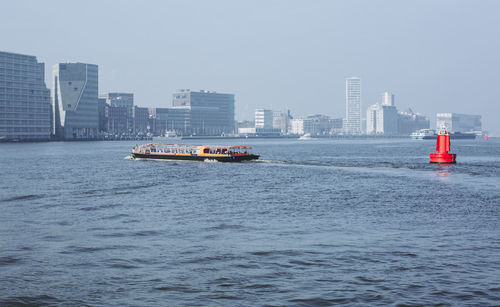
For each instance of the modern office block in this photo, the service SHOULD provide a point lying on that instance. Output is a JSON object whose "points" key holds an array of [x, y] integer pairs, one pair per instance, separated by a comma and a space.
{"points": [[211, 113], [353, 106], [75, 101], [174, 119], [25, 113]]}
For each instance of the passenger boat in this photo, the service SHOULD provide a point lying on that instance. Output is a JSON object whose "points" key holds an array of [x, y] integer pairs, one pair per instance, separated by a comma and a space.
{"points": [[193, 152]]}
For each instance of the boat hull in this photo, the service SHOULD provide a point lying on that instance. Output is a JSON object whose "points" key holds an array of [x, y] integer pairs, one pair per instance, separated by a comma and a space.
{"points": [[238, 158], [453, 137]]}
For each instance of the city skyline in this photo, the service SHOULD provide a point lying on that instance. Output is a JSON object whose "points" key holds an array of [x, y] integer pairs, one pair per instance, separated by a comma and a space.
{"points": [[431, 65]]}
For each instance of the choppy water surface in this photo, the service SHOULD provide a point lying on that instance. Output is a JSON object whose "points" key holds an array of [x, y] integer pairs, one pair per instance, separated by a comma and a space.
{"points": [[353, 222]]}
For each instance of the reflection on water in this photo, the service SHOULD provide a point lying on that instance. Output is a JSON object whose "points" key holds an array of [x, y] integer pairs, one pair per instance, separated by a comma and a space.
{"points": [[443, 172]]}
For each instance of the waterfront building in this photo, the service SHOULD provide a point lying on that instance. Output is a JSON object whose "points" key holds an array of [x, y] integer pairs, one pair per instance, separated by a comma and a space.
{"points": [[125, 100], [141, 121], [320, 124], [174, 119], [25, 112], [103, 116], [263, 119], [382, 118], [281, 120], [75, 101], [409, 122], [211, 113], [336, 125], [353, 106], [117, 120], [459, 122], [301, 126]]}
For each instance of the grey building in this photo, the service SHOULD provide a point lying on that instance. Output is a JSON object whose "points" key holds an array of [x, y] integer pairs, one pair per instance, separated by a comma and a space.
{"points": [[123, 100], [141, 121], [117, 120], [103, 116], [75, 101], [409, 122], [281, 120], [175, 119], [25, 112], [211, 113], [459, 122]]}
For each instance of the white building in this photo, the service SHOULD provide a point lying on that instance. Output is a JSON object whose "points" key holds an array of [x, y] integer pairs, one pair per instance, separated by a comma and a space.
{"points": [[353, 106], [264, 119], [387, 99], [301, 126], [382, 119], [75, 100], [459, 122]]}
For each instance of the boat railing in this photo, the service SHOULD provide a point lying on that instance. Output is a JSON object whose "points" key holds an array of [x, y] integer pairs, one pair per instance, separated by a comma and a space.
{"points": [[192, 149]]}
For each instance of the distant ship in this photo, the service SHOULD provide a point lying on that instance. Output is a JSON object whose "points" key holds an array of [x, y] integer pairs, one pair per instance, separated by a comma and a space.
{"points": [[428, 134]]}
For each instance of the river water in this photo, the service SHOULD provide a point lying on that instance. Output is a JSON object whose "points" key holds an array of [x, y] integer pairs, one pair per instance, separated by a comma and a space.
{"points": [[313, 223]]}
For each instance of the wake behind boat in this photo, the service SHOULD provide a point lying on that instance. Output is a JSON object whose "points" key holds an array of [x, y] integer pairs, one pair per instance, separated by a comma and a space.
{"points": [[193, 152]]}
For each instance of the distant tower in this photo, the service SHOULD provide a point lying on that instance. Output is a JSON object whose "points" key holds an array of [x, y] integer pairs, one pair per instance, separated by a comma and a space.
{"points": [[353, 105], [388, 99]]}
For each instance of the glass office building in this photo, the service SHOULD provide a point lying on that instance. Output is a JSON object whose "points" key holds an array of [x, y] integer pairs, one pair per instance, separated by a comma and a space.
{"points": [[211, 113], [75, 101], [24, 99]]}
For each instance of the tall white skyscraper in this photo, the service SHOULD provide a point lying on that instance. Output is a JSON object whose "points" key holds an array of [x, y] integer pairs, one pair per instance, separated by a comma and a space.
{"points": [[353, 106]]}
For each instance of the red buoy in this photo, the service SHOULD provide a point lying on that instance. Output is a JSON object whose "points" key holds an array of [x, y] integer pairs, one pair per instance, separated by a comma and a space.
{"points": [[443, 146]]}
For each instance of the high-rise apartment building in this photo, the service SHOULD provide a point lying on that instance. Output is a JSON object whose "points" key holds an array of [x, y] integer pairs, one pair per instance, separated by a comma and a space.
{"points": [[24, 99], [353, 105], [75, 101], [211, 113]]}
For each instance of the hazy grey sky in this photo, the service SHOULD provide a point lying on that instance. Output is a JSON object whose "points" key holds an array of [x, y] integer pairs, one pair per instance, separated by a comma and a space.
{"points": [[435, 56]]}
